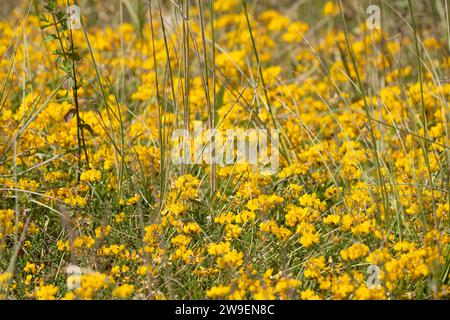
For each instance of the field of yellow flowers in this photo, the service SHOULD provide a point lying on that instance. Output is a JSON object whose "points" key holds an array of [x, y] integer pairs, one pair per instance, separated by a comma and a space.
{"points": [[93, 207]]}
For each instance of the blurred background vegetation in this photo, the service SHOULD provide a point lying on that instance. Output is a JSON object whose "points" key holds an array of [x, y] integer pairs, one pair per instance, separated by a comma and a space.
{"points": [[430, 13]]}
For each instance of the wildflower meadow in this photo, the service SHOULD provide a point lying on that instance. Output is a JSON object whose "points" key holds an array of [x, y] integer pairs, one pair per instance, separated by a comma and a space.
{"points": [[224, 149]]}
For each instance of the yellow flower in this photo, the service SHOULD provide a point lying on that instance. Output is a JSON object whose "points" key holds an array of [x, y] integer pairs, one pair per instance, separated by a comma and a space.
{"points": [[28, 279], [133, 200], [180, 240], [191, 227], [232, 259], [354, 252], [46, 292], [91, 175], [364, 293], [101, 232], [225, 5], [123, 291], [218, 291], [332, 219], [142, 270], [309, 238], [295, 32], [309, 235], [5, 277], [63, 245], [314, 266], [118, 218], [75, 201], [69, 296], [81, 242], [309, 294], [342, 286], [232, 231], [219, 248], [30, 268]]}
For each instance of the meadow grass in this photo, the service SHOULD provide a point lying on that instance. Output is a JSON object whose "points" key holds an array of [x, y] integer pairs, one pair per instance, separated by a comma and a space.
{"points": [[92, 205]]}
